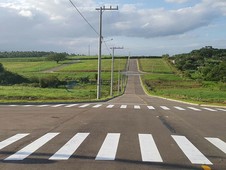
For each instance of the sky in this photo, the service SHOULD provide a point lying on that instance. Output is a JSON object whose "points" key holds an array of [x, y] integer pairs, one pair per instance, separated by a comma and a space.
{"points": [[142, 27]]}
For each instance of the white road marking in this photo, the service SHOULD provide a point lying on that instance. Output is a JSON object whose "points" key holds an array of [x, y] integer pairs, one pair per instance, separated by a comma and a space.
{"points": [[193, 108], [222, 110], [13, 105], [149, 150], [27, 105], [179, 108], [212, 110], [110, 106], [109, 147], [71, 105], [136, 107], [12, 139], [192, 153], [151, 108], [165, 108], [42, 105], [123, 106], [218, 143], [97, 106], [85, 105], [70, 147], [29, 149], [58, 105]]}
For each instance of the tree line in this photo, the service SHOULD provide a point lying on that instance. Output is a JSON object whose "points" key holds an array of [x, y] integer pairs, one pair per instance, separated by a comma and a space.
{"points": [[27, 54], [207, 63]]}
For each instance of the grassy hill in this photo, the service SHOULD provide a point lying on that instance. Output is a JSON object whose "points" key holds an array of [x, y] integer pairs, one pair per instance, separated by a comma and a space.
{"points": [[163, 79]]}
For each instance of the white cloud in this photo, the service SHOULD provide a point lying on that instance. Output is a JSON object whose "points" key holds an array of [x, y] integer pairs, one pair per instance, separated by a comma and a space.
{"points": [[25, 13], [56, 23], [176, 1]]}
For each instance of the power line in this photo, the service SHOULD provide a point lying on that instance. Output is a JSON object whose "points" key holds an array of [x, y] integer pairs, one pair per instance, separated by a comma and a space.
{"points": [[84, 17]]}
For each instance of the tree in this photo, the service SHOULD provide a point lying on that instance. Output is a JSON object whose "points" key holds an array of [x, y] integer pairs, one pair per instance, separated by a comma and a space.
{"points": [[57, 57]]}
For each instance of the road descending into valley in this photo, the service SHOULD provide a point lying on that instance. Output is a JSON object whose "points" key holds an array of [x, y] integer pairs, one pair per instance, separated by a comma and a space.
{"points": [[133, 131]]}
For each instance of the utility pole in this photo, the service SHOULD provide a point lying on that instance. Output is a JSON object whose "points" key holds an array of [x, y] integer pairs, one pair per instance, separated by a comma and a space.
{"points": [[112, 67], [101, 9]]}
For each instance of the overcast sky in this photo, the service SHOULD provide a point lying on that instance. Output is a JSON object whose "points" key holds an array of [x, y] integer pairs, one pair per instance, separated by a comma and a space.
{"points": [[143, 27]]}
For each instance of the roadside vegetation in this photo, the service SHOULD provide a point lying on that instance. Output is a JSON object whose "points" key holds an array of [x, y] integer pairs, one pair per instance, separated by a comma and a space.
{"points": [[164, 79], [44, 80]]}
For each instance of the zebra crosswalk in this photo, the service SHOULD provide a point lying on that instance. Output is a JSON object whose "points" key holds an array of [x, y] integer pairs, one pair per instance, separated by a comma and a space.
{"points": [[148, 150], [125, 106]]}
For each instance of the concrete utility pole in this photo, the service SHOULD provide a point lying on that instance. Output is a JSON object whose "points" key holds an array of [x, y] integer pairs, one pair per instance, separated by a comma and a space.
{"points": [[101, 9], [112, 67]]}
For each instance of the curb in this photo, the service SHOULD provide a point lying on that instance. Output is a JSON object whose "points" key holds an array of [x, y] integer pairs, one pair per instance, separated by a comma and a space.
{"points": [[174, 100]]}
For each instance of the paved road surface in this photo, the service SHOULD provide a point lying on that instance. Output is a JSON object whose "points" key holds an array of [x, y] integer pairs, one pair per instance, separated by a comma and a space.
{"points": [[133, 131]]}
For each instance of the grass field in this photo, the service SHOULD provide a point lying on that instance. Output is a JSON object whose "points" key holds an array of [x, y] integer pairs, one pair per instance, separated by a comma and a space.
{"points": [[69, 72], [162, 81]]}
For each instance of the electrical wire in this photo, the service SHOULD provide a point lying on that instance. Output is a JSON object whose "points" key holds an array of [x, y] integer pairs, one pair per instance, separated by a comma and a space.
{"points": [[84, 17], [90, 26], [107, 47]]}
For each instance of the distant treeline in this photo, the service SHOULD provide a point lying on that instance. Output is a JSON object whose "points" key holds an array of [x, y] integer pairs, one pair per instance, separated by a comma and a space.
{"points": [[207, 63], [25, 54]]}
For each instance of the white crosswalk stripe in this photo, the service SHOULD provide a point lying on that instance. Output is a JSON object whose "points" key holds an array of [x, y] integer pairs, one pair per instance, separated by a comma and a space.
{"points": [[123, 107], [97, 106], [165, 108], [179, 108], [71, 105], [149, 150], [110, 106], [136, 107], [193, 108], [29, 149], [218, 143], [151, 108], [85, 105], [70, 147], [45, 105], [224, 110], [192, 153], [28, 105], [212, 110], [12, 139], [109, 147], [58, 105]]}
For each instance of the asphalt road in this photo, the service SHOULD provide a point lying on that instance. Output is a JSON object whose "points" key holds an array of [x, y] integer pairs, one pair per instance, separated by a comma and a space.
{"points": [[133, 131]]}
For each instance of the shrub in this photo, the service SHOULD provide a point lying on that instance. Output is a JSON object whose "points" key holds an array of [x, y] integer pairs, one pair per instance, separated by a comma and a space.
{"points": [[50, 81]]}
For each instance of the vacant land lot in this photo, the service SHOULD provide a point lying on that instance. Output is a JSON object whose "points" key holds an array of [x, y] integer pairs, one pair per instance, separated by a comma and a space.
{"points": [[70, 71], [160, 79]]}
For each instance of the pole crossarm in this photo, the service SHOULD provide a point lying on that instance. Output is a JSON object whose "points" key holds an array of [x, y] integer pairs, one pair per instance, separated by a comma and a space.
{"points": [[103, 8]]}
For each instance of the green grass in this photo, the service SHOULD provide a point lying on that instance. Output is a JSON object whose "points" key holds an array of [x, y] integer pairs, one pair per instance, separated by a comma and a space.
{"points": [[155, 66], [81, 92], [163, 82], [25, 67]]}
